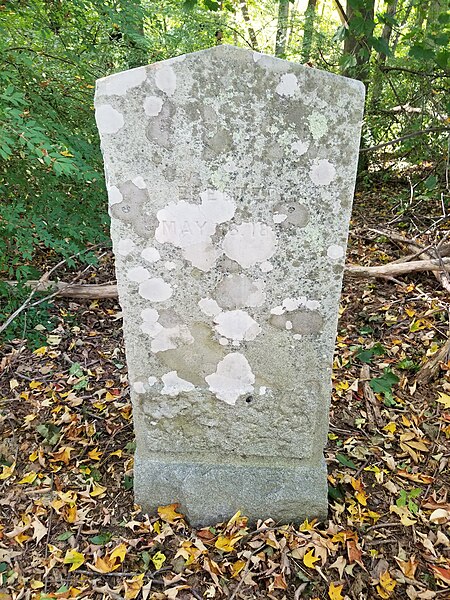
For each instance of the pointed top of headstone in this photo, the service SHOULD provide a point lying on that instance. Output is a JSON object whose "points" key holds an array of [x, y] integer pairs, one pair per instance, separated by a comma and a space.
{"points": [[120, 83]]}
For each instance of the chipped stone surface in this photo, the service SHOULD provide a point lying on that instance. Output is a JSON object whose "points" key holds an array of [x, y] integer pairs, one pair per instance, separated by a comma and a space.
{"points": [[230, 178]]}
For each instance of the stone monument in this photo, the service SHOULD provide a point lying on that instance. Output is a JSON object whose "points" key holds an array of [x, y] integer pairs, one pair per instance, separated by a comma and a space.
{"points": [[230, 178]]}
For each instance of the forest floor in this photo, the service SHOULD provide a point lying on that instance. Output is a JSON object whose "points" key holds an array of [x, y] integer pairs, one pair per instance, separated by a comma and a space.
{"points": [[68, 525]]}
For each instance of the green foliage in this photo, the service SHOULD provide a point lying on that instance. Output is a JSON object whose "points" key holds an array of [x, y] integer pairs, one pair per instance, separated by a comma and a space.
{"points": [[407, 499], [384, 385], [366, 355]]}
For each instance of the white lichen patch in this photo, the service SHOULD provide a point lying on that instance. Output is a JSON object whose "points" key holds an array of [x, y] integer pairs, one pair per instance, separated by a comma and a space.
{"points": [[300, 147], [250, 243], [322, 172], [151, 254], [203, 256], [335, 252], [119, 84], [174, 385], [266, 266], [170, 266], [109, 120], [138, 274], [139, 182], [279, 218], [153, 106], [233, 378], [155, 290], [190, 226], [238, 291], [166, 80], [125, 247], [152, 380], [139, 387], [209, 307], [165, 337], [114, 195], [262, 390], [318, 125], [236, 325], [292, 304], [288, 85]]}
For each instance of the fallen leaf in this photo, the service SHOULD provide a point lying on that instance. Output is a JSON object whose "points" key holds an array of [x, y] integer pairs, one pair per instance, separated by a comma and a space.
{"points": [[40, 530], [386, 585], [309, 559], [7, 471], [444, 399], [158, 559], [442, 573], [169, 513], [74, 558], [334, 592], [133, 586]]}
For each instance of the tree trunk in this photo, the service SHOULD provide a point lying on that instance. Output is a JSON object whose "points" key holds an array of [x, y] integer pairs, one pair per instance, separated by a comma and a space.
{"points": [[308, 32], [282, 28], [356, 43], [251, 31], [377, 86]]}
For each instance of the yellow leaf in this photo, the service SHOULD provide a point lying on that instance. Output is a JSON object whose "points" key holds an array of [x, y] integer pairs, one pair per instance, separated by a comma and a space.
{"points": [[226, 543], [404, 514], [117, 453], [390, 427], [158, 559], [28, 477], [74, 558], [361, 497], [36, 585], [66, 153], [334, 591], [40, 351], [95, 454], [70, 513], [35, 384], [133, 586], [237, 567], [169, 513], [119, 552], [386, 585], [102, 565], [97, 490], [444, 399], [309, 559], [7, 471]]}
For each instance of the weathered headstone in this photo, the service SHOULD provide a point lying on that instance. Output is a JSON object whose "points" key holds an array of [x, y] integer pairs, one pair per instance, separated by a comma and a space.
{"points": [[230, 178]]}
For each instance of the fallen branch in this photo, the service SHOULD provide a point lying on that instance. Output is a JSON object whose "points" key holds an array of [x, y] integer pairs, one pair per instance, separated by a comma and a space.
{"points": [[393, 269], [109, 290]]}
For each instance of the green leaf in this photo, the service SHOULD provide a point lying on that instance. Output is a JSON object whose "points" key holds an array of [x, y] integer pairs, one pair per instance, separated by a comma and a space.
{"points": [[64, 536], [76, 370], [346, 462], [384, 384], [431, 182], [421, 53], [367, 355], [381, 46], [128, 482], [212, 5], [101, 539]]}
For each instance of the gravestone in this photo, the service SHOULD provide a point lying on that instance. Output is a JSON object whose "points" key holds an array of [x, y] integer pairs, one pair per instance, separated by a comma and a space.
{"points": [[230, 178]]}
